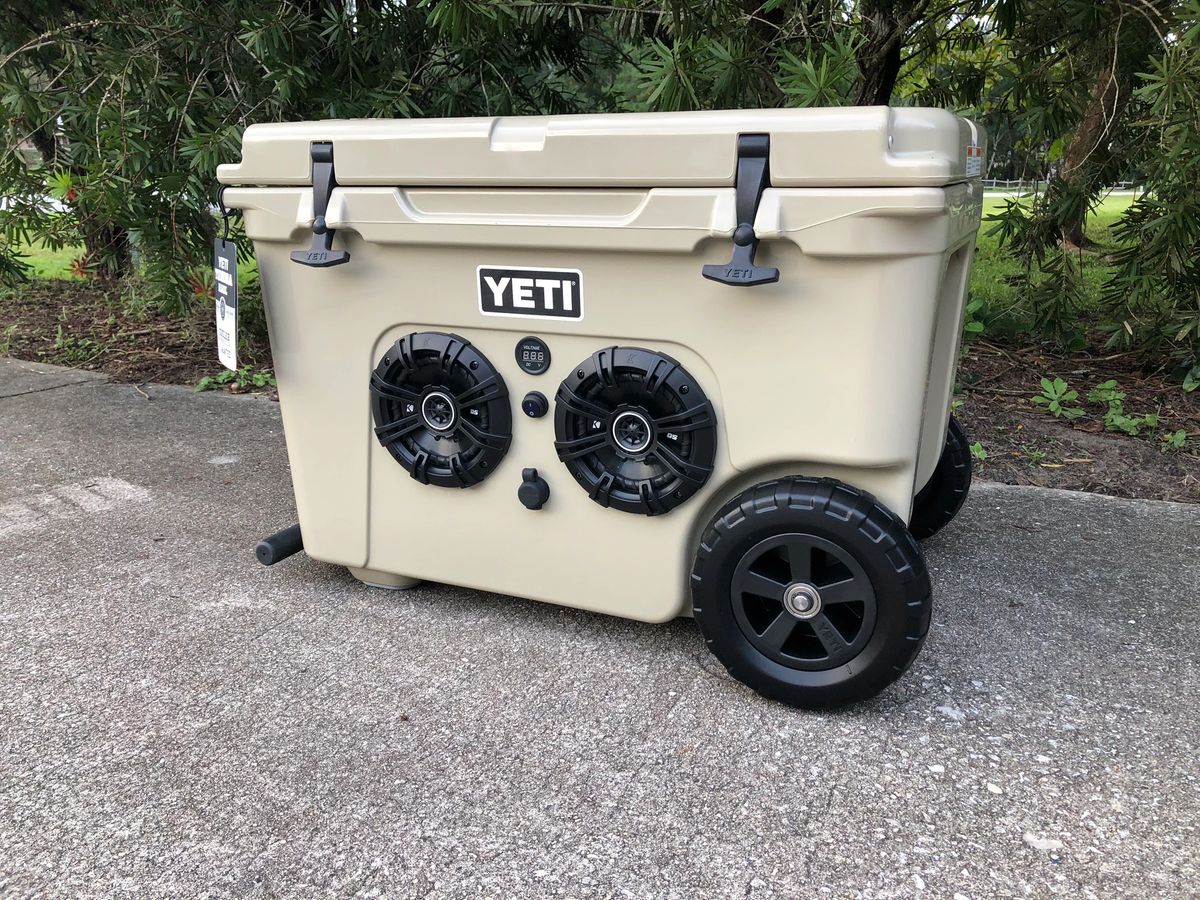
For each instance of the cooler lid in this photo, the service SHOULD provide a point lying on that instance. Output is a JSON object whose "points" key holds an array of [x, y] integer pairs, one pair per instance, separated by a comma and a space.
{"points": [[874, 146]]}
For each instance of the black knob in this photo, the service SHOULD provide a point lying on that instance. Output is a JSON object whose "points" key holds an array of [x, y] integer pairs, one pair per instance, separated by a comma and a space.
{"points": [[535, 405], [533, 492]]}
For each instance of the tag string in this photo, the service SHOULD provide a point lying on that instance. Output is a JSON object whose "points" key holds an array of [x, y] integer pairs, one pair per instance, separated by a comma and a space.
{"points": [[226, 213]]}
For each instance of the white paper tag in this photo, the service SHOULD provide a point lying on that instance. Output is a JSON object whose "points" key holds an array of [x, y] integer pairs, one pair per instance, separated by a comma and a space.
{"points": [[974, 160], [225, 282]]}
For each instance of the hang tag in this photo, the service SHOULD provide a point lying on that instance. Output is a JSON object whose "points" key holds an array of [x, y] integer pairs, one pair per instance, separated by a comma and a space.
{"points": [[225, 282], [974, 166]]}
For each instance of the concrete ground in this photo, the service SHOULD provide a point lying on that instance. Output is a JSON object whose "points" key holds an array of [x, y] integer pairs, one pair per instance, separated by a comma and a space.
{"points": [[176, 720]]}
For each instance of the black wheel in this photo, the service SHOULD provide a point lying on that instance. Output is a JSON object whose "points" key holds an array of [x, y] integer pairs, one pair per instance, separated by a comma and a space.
{"points": [[811, 592], [939, 501]]}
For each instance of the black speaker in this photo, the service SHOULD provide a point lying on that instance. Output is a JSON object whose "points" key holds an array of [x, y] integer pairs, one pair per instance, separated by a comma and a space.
{"points": [[635, 429], [441, 409]]}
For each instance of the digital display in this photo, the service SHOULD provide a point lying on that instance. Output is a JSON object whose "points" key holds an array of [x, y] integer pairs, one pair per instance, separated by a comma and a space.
{"points": [[533, 356]]}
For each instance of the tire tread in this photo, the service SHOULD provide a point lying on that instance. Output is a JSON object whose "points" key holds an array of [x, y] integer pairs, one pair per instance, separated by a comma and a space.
{"points": [[873, 521], [936, 504]]}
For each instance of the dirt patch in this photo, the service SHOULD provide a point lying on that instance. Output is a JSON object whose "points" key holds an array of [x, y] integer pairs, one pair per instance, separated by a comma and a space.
{"points": [[78, 324], [75, 324], [1025, 444]]}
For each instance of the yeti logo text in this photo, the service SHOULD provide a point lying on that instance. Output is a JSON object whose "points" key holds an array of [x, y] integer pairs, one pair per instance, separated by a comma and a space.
{"points": [[536, 293]]}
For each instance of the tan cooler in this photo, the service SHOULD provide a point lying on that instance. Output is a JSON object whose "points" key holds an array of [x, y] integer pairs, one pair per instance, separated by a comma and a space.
{"points": [[649, 365]]}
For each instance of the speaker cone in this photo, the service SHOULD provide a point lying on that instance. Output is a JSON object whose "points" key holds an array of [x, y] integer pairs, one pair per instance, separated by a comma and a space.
{"points": [[441, 409], [635, 429]]}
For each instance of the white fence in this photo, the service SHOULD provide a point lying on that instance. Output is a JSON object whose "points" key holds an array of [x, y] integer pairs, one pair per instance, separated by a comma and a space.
{"points": [[1019, 186]]}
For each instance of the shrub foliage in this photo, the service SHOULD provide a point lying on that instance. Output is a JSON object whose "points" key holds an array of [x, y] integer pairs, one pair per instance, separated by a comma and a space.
{"points": [[115, 115]]}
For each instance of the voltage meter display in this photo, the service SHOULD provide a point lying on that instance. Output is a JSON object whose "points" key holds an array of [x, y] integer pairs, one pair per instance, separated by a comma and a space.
{"points": [[533, 356]]}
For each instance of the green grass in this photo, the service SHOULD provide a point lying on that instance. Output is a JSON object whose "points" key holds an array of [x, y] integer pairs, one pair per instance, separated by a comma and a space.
{"points": [[994, 270], [49, 263]]}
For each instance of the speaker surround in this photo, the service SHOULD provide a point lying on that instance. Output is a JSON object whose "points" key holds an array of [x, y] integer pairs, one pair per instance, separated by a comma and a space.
{"points": [[441, 409], [635, 429]]}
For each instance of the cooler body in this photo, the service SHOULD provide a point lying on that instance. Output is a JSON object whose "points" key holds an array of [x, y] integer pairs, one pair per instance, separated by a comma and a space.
{"points": [[589, 233]]}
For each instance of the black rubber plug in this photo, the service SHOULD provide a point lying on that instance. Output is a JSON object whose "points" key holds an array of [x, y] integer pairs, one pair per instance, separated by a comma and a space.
{"points": [[533, 492]]}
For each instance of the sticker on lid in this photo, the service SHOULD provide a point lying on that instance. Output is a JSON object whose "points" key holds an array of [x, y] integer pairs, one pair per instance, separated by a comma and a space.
{"points": [[974, 160], [225, 296]]}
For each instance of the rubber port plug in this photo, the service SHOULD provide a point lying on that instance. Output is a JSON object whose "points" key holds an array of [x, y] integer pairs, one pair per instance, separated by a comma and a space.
{"points": [[533, 492]]}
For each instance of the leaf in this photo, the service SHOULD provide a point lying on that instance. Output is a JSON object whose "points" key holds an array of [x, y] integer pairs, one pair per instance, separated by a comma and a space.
{"points": [[1175, 440]]}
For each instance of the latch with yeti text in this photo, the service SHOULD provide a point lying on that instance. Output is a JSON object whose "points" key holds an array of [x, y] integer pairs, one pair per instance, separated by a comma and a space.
{"points": [[753, 177], [321, 254]]}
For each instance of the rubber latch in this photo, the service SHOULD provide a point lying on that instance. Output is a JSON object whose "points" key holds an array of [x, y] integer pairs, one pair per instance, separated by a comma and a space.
{"points": [[321, 254], [753, 177]]}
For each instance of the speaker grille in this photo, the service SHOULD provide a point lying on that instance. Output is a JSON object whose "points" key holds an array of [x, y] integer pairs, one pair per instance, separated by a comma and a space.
{"points": [[635, 429], [441, 409]]}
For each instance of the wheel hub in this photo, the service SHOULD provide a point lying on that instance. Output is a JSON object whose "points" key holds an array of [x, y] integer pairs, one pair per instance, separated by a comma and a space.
{"points": [[802, 600]]}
